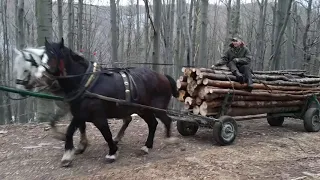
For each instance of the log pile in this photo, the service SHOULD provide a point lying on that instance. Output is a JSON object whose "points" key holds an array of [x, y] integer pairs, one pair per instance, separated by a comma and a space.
{"points": [[203, 90]]}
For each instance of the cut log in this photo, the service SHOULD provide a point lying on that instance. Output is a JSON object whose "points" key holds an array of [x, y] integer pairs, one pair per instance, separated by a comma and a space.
{"points": [[181, 85], [199, 81], [236, 85], [189, 79], [210, 89], [196, 110], [183, 78], [182, 95], [191, 87], [190, 101], [198, 101], [247, 98], [186, 106]]}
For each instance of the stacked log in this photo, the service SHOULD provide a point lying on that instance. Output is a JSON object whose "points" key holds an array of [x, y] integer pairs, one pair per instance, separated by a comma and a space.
{"points": [[203, 91]]}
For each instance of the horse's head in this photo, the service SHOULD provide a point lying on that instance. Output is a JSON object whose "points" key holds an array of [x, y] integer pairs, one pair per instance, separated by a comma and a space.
{"points": [[25, 67], [28, 70], [57, 57]]}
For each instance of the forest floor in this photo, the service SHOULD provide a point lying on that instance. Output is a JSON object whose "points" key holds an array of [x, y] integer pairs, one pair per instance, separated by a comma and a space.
{"points": [[259, 152]]}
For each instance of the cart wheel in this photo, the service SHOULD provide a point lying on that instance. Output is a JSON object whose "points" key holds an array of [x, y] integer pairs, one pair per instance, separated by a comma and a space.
{"points": [[312, 120], [186, 128], [275, 121], [225, 130]]}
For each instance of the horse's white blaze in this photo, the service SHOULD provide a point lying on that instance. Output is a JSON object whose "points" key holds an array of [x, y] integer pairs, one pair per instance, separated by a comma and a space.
{"points": [[68, 155], [45, 59], [145, 149]]}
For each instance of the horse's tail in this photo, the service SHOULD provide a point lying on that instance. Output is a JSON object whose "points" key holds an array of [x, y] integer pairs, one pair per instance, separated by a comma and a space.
{"points": [[173, 84]]}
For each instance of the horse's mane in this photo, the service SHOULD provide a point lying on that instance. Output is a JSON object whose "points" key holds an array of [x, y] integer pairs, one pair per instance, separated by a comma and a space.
{"points": [[76, 57]]}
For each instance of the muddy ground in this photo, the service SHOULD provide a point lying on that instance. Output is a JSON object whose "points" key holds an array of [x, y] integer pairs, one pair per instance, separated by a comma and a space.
{"points": [[259, 152]]}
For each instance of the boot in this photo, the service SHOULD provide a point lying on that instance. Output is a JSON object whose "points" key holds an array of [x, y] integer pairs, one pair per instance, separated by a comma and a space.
{"points": [[250, 84], [239, 77]]}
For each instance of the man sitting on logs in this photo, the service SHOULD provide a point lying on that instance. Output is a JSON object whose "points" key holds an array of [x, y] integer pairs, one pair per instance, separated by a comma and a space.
{"points": [[238, 59]]}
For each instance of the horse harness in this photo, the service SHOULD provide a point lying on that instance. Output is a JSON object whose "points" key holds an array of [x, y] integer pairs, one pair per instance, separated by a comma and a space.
{"points": [[94, 76]]}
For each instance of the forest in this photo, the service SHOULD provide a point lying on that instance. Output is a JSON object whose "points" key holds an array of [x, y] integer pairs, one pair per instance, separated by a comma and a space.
{"points": [[164, 35]]}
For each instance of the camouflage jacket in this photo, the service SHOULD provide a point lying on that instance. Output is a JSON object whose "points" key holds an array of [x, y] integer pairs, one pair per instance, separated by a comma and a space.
{"points": [[241, 56]]}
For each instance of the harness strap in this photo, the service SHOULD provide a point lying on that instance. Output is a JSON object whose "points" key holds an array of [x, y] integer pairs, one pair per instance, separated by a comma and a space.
{"points": [[126, 85]]}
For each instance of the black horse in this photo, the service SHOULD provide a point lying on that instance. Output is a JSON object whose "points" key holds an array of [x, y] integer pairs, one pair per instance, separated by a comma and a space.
{"points": [[147, 87]]}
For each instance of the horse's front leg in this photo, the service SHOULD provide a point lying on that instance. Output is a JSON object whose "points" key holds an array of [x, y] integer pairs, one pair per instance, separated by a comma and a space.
{"points": [[102, 124], [125, 123], [69, 148]]}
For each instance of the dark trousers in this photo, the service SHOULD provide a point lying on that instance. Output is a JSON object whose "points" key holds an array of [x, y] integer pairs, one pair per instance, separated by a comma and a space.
{"points": [[243, 69]]}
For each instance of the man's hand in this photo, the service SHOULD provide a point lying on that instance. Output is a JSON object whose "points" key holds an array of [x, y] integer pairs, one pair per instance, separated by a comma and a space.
{"points": [[236, 60]]}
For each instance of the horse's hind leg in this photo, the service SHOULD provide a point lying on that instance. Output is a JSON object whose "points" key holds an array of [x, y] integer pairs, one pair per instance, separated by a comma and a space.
{"points": [[125, 123], [62, 110], [83, 144], [152, 122], [167, 121]]}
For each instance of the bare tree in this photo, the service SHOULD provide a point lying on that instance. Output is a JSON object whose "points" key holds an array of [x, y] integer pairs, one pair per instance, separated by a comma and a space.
{"points": [[60, 21], [260, 37], [80, 24], [6, 66], [44, 24], [306, 48], [203, 49], [70, 23], [114, 40], [156, 34], [228, 26], [283, 10]]}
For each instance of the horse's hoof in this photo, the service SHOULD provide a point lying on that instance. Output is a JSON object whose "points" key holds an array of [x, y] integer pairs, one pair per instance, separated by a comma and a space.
{"points": [[81, 148], [66, 163], [79, 151], [111, 158], [145, 150]]}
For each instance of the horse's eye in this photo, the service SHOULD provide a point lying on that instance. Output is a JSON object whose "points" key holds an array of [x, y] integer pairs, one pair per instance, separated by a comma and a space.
{"points": [[25, 71]]}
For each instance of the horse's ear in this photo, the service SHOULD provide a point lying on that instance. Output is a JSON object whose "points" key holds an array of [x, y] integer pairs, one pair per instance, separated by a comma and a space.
{"points": [[62, 43]]}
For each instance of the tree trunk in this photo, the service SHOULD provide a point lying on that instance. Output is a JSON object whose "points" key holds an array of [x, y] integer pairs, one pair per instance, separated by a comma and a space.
{"points": [[6, 67], [80, 24], [194, 31], [283, 16], [137, 36], [306, 48], [60, 21], [203, 48], [156, 34], [114, 29], [70, 24], [44, 28], [260, 47], [236, 20], [228, 26]]}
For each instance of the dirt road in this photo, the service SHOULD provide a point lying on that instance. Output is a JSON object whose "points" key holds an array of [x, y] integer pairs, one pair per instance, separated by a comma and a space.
{"points": [[259, 152]]}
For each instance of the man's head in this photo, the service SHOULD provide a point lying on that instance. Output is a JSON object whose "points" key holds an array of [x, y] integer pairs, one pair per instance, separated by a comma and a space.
{"points": [[236, 42]]}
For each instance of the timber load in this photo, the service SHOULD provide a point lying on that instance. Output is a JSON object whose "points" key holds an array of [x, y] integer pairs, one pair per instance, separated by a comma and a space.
{"points": [[204, 90]]}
